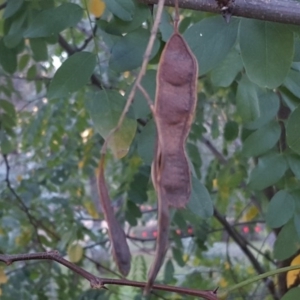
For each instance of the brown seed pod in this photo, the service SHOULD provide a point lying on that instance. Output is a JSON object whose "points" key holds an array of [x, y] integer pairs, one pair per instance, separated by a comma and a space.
{"points": [[120, 249], [175, 104]]}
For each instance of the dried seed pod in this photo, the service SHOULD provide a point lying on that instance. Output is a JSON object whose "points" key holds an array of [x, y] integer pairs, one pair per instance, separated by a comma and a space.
{"points": [[175, 104], [120, 249]]}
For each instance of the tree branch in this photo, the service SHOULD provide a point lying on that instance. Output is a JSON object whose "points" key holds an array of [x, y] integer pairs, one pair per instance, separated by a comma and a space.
{"points": [[281, 11], [32, 220], [99, 283], [239, 239]]}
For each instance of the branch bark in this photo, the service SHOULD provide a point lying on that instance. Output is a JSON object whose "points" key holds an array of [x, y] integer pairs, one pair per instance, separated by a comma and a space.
{"points": [[281, 11], [99, 283]]}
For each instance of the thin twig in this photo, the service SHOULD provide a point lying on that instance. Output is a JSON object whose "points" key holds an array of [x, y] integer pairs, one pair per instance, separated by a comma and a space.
{"points": [[32, 220], [97, 282], [142, 72]]}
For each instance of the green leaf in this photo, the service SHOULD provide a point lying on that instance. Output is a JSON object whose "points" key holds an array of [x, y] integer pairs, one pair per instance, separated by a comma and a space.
{"points": [[297, 221], [178, 256], [139, 186], [200, 202], [267, 50], [224, 74], [23, 62], [12, 7], [123, 9], [292, 294], [231, 130], [15, 34], [75, 253], [203, 37], [8, 107], [140, 105], [54, 20], [105, 108], [262, 140], [146, 143], [292, 82], [280, 209], [5, 144], [140, 15], [268, 171], [8, 58], [39, 49], [72, 75], [287, 242], [127, 53], [292, 130], [132, 213], [165, 26], [247, 100], [31, 73], [297, 50], [169, 271], [294, 163], [290, 100], [268, 103]]}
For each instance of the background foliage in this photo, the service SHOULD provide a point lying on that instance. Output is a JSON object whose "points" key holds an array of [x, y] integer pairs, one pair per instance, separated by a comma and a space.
{"points": [[64, 79]]}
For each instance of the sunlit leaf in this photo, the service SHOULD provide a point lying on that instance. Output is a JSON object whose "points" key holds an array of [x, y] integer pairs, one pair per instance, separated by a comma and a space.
{"points": [[73, 74]]}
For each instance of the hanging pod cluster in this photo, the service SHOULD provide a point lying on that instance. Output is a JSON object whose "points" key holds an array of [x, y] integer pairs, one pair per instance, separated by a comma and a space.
{"points": [[175, 104]]}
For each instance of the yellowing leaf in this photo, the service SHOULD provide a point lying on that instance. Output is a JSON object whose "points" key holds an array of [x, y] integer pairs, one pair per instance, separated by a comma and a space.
{"points": [[3, 277], [215, 183], [250, 214], [224, 192], [75, 253], [24, 238], [291, 276], [223, 282], [105, 108], [90, 208], [96, 7], [81, 164]]}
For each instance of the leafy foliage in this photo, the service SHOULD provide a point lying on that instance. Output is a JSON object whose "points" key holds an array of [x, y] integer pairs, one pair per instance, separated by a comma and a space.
{"points": [[64, 80]]}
